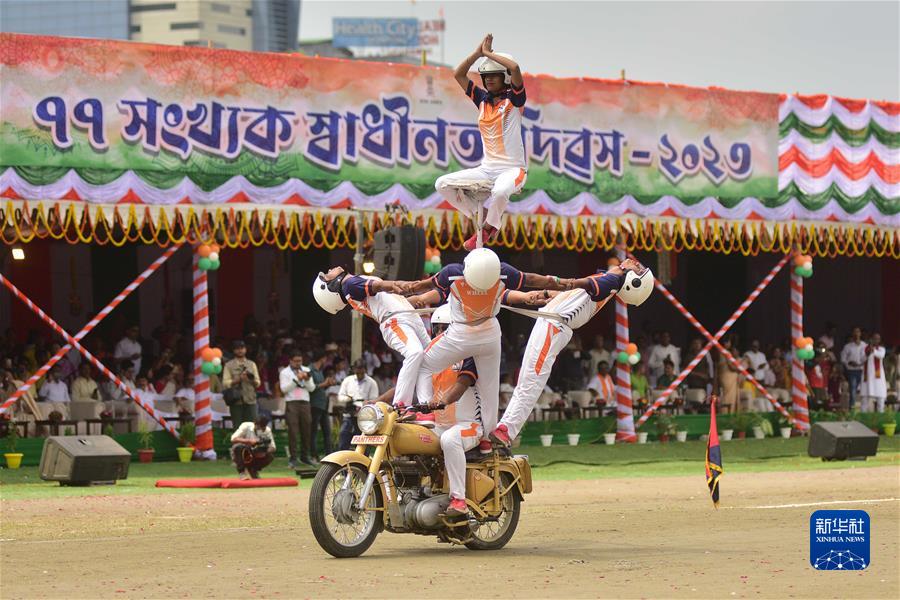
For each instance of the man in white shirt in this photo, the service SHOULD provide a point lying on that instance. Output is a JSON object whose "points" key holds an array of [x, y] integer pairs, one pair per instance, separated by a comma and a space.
{"points": [[602, 384], [599, 353], [130, 348], [356, 390], [295, 381], [758, 366], [53, 389], [252, 447], [874, 385], [658, 355], [854, 358]]}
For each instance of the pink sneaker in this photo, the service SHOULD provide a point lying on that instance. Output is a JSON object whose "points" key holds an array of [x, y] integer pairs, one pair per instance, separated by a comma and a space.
{"points": [[425, 417], [501, 436], [457, 507], [484, 446], [488, 234]]}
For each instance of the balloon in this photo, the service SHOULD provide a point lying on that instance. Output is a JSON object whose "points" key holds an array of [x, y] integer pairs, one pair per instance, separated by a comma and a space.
{"points": [[436, 252], [218, 369], [436, 260], [217, 352], [808, 347], [633, 359], [622, 357], [214, 265], [631, 348], [207, 354], [215, 248], [430, 268], [216, 361], [638, 354], [213, 256], [809, 341], [428, 253], [798, 260], [203, 250], [799, 342], [205, 264], [807, 273], [807, 266], [207, 368]]}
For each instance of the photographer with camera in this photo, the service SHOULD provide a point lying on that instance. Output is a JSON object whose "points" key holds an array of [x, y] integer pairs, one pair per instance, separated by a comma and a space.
{"points": [[356, 390], [252, 447], [240, 378], [296, 383]]}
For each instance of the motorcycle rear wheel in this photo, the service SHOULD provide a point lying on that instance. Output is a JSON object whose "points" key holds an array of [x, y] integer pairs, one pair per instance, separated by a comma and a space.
{"points": [[493, 535], [343, 540]]}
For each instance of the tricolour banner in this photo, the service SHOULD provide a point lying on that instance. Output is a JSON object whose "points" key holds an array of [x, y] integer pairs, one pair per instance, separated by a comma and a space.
{"points": [[104, 108]]}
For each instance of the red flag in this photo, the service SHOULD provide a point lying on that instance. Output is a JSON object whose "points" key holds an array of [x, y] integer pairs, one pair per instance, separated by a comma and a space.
{"points": [[713, 454]]}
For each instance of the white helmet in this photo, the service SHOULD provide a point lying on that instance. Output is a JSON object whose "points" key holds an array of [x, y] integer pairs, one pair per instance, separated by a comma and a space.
{"points": [[489, 66], [328, 294], [441, 316], [637, 287], [481, 269]]}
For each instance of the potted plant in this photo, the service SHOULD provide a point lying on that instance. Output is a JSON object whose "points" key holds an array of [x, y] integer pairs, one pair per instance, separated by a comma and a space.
{"points": [[68, 431], [889, 422], [546, 436], [681, 435], [642, 433], [726, 422], [571, 434], [108, 430], [761, 426], [13, 458], [784, 426], [742, 422], [145, 441], [187, 435], [665, 427]]}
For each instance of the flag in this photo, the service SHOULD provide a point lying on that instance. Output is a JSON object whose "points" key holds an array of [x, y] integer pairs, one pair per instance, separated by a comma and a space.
{"points": [[713, 455]]}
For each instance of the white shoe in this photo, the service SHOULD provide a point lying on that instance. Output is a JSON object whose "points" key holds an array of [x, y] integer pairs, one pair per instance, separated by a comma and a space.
{"points": [[244, 475]]}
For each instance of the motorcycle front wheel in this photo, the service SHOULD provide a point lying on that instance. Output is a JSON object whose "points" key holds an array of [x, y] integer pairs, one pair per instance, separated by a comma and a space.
{"points": [[494, 534], [342, 530]]}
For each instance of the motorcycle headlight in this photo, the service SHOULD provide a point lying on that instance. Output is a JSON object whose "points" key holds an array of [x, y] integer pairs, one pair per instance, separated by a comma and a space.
{"points": [[369, 419]]}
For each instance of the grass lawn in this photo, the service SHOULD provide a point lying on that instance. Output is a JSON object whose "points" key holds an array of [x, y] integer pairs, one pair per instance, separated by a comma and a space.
{"points": [[553, 463]]}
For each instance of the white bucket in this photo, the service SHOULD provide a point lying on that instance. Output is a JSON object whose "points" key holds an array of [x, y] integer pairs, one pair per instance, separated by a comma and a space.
{"points": [[681, 436], [547, 439], [573, 438], [726, 434], [609, 438]]}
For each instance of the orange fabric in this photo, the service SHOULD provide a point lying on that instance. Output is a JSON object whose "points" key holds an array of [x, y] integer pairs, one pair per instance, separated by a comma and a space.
{"points": [[362, 307], [442, 383], [398, 331], [434, 341], [490, 123], [477, 305], [472, 431], [854, 170], [520, 178], [551, 331]]}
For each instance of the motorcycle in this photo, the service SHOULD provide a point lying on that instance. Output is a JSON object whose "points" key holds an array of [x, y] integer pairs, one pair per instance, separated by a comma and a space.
{"points": [[395, 480]]}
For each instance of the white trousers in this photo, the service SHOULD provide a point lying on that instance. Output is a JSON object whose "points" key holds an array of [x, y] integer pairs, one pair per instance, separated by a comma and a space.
{"points": [[507, 181], [872, 403], [546, 341], [408, 337], [458, 343], [455, 442]]}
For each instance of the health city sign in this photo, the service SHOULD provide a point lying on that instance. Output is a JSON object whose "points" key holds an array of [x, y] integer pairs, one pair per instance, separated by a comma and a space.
{"points": [[363, 32]]}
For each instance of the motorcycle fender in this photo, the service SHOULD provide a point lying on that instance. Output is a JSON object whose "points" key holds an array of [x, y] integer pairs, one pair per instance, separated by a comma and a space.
{"points": [[522, 475], [347, 457]]}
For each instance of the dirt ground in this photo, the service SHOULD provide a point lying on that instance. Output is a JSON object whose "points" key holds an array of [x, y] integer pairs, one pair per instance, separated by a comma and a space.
{"points": [[639, 538]]}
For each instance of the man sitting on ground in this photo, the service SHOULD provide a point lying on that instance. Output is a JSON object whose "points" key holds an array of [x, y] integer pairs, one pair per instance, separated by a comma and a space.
{"points": [[252, 447]]}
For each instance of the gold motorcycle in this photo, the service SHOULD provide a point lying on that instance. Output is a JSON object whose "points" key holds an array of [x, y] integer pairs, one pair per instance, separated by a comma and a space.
{"points": [[395, 480]]}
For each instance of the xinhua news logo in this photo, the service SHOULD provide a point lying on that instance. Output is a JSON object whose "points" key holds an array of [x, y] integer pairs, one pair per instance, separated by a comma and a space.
{"points": [[839, 540]]}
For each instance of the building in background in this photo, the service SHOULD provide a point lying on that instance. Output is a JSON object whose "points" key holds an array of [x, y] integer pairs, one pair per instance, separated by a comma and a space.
{"points": [[107, 19], [266, 25]]}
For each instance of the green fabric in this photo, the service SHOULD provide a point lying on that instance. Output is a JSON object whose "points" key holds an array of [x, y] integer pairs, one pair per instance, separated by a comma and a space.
{"points": [[854, 137]]}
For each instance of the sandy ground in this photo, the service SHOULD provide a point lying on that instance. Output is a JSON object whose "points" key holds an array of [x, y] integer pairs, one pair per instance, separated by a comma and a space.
{"points": [[635, 538]]}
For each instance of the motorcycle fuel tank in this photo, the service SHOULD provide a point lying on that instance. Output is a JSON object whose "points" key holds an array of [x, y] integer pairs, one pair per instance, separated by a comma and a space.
{"points": [[408, 438]]}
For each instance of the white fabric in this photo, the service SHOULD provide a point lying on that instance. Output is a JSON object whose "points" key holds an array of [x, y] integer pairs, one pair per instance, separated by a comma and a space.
{"points": [[854, 352], [605, 388], [546, 341], [127, 348], [379, 306], [458, 343], [833, 107], [287, 381], [247, 431], [815, 150], [757, 364], [504, 180], [468, 305], [406, 334], [502, 141], [574, 306], [354, 390], [658, 355], [455, 442], [872, 385], [54, 391]]}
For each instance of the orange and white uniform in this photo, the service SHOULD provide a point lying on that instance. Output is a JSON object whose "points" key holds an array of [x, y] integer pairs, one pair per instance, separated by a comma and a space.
{"points": [[473, 332], [459, 425], [403, 332], [504, 165], [547, 340]]}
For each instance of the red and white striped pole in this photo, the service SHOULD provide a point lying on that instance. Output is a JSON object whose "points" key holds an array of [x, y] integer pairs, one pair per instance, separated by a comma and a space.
{"points": [[624, 406], [202, 398], [798, 379], [84, 351], [90, 326], [722, 330]]}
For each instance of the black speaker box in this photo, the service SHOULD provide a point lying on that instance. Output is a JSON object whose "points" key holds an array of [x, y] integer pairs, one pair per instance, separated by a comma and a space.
{"points": [[83, 460], [399, 253], [840, 440]]}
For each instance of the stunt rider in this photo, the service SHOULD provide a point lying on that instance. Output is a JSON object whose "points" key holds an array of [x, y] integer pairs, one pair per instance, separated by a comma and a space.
{"points": [[500, 106], [379, 300], [631, 281]]}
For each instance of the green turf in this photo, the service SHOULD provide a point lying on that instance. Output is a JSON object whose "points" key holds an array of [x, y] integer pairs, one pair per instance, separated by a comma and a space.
{"points": [[555, 463]]}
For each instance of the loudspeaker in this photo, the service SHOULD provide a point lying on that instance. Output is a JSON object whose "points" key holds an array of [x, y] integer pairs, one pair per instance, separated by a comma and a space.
{"points": [[399, 253], [841, 440], [83, 460]]}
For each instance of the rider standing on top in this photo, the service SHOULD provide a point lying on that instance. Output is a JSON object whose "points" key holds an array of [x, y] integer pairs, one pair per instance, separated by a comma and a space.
{"points": [[500, 106]]}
